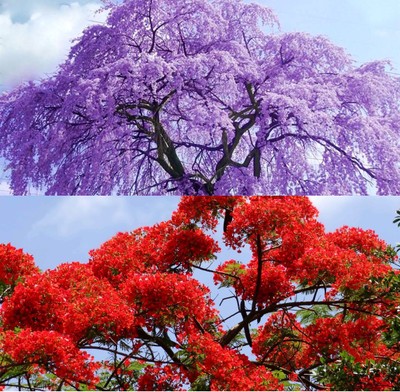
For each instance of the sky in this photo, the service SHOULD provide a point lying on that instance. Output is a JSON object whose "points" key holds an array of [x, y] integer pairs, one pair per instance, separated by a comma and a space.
{"points": [[368, 29], [35, 35], [64, 229]]}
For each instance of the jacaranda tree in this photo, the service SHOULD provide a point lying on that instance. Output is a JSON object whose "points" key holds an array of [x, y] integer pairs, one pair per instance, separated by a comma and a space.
{"points": [[306, 309], [198, 97]]}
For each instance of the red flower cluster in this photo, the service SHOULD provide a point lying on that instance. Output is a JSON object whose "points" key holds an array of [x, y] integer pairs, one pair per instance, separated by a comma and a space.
{"points": [[162, 378], [274, 285], [279, 341], [51, 352], [163, 247], [360, 338], [204, 210], [71, 301], [324, 305], [225, 367], [15, 264], [167, 299]]}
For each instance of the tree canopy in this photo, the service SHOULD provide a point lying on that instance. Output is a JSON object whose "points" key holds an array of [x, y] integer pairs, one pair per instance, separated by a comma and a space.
{"points": [[298, 309], [197, 97]]}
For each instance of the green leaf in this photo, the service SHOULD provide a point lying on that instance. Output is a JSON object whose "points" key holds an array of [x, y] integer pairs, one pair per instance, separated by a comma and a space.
{"points": [[309, 316]]}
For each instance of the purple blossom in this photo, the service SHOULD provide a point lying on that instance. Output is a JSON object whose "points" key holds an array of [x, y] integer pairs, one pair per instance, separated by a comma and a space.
{"points": [[200, 97]]}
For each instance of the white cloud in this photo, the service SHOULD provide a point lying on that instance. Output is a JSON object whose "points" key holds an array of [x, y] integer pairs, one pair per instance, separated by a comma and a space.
{"points": [[4, 188], [73, 215], [77, 215], [35, 36], [21, 10]]}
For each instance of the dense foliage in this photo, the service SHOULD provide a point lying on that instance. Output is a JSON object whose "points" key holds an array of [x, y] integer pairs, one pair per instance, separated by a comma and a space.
{"points": [[196, 97], [305, 309]]}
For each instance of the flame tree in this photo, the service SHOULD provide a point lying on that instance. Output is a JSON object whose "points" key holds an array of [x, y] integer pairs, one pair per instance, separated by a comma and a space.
{"points": [[306, 309]]}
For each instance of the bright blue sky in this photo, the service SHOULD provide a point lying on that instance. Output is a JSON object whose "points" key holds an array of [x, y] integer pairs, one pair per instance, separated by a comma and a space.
{"points": [[59, 229], [367, 29]]}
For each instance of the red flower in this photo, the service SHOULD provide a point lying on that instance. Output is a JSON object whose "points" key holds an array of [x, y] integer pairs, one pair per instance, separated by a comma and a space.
{"points": [[15, 265]]}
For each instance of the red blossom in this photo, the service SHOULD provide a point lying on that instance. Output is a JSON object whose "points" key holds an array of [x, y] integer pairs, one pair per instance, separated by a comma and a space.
{"points": [[279, 341], [303, 302], [70, 300], [275, 284], [15, 264], [163, 247], [52, 352], [162, 378], [332, 335], [168, 299], [375, 383]]}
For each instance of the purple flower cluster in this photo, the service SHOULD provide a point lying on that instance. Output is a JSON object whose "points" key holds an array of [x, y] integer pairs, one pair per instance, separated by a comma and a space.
{"points": [[203, 97]]}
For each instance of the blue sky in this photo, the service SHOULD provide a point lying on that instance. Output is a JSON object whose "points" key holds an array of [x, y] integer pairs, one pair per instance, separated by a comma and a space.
{"points": [[61, 229], [368, 29]]}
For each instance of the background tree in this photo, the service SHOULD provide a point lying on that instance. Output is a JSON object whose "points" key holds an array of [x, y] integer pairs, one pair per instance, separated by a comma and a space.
{"points": [[307, 309], [196, 98]]}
